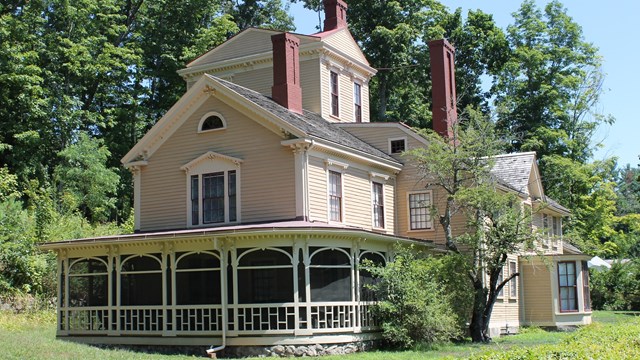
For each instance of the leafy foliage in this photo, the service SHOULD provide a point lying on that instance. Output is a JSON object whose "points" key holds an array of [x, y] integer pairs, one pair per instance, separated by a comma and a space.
{"points": [[617, 288], [414, 307]]}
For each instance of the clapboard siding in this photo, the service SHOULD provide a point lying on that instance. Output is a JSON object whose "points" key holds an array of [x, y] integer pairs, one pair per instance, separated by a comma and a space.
{"points": [[317, 190], [260, 80], [346, 106], [357, 192], [357, 198], [266, 176], [247, 43], [536, 290], [343, 41]]}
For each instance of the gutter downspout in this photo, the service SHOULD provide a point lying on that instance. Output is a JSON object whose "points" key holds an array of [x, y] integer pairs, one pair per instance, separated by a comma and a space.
{"points": [[223, 284]]}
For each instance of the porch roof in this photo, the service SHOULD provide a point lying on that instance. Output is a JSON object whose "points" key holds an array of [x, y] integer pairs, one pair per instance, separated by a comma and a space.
{"points": [[278, 227]]}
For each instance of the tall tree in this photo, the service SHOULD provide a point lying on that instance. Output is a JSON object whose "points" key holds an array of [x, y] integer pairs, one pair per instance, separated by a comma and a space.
{"points": [[268, 14], [393, 36], [460, 170]]}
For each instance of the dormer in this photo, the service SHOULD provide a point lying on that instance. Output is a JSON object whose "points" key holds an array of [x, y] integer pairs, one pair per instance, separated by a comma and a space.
{"points": [[334, 73]]}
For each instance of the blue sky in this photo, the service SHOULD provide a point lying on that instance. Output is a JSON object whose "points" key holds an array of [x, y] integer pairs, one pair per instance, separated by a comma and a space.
{"points": [[611, 26]]}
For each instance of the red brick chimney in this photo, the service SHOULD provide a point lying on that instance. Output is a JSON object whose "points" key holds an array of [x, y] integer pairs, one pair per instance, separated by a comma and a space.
{"points": [[286, 89], [443, 87], [335, 14]]}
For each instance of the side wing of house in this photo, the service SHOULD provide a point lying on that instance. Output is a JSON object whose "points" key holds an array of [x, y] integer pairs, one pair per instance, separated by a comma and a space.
{"points": [[414, 201]]}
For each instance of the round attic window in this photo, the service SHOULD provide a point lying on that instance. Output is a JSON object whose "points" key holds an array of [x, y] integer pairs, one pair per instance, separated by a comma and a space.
{"points": [[211, 121]]}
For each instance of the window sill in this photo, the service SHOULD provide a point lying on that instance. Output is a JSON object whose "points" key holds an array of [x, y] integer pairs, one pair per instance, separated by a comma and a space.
{"points": [[213, 225], [335, 117], [421, 230]]}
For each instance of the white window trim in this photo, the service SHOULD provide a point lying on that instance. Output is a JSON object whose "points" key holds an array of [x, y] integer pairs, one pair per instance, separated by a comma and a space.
{"points": [[207, 115], [339, 167], [433, 225], [208, 163], [396, 139], [384, 208]]}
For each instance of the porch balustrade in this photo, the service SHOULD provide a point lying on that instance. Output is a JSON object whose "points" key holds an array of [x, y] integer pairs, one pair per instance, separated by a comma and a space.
{"points": [[200, 320]]}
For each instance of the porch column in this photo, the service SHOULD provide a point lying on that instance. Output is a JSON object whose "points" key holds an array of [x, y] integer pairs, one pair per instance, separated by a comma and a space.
{"points": [[234, 268], [172, 307], [111, 331], [296, 297]]}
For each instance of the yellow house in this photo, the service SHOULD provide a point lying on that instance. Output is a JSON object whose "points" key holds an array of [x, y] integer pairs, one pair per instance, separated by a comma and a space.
{"points": [[259, 192]]}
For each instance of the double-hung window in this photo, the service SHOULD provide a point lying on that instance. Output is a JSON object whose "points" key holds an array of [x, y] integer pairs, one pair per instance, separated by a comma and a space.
{"points": [[213, 190], [357, 102], [213, 198], [378, 204], [568, 287], [420, 211], [334, 95], [335, 196]]}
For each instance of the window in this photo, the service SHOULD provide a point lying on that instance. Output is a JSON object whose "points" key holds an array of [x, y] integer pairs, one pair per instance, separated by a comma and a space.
{"points": [[216, 199], [567, 286], [513, 283], [378, 205], [367, 279], [330, 273], [335, 196], [266, 276], [586, 293], [211, 121], [357, 101], [397, 146], [197, 279], [213, 189], [546, 225], [141, 280], [419, 211], [88, 279], [334, 94]]}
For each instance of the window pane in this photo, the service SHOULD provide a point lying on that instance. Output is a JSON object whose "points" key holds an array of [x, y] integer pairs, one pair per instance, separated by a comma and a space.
{"points": [[378, 205], [233, 209], [357, 99], [198, 287], [419, 214], [335, 196], [265, 285], [213, 198], [334, 94], [195, 213], [90, 290]]}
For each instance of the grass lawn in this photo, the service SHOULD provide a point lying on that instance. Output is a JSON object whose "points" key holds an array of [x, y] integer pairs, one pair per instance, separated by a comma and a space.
{"points": [[32, 336]]}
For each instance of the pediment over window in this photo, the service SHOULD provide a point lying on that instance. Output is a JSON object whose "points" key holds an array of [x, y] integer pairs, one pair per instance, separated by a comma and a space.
{"points": [[211, 161]]}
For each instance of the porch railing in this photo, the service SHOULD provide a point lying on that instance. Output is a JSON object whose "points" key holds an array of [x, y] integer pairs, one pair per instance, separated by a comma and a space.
{"points": [[243, 319]]}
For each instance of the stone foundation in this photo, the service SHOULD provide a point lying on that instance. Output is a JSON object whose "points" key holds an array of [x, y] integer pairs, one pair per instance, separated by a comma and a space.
{"points": [[296, 350]]}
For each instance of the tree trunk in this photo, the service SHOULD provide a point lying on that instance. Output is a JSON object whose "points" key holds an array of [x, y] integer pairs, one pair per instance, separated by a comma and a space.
{"points": [[479, 327], [382, 97]]}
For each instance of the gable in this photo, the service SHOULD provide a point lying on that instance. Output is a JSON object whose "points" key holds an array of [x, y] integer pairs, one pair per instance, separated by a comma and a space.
{"points": [[342, 41], [249, 42], [207, 87]]}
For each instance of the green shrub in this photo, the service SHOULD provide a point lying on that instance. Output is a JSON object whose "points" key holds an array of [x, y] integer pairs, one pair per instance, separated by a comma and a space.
{"points": [[617, 288], [414, 307]]}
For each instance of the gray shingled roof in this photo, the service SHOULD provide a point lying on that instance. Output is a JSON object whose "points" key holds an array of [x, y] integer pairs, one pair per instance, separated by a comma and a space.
{"points": [[514, 170], [310, 123]]}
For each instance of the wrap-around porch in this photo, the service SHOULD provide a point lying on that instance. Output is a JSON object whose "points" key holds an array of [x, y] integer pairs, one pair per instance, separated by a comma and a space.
{"points": [[252, 290]]}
